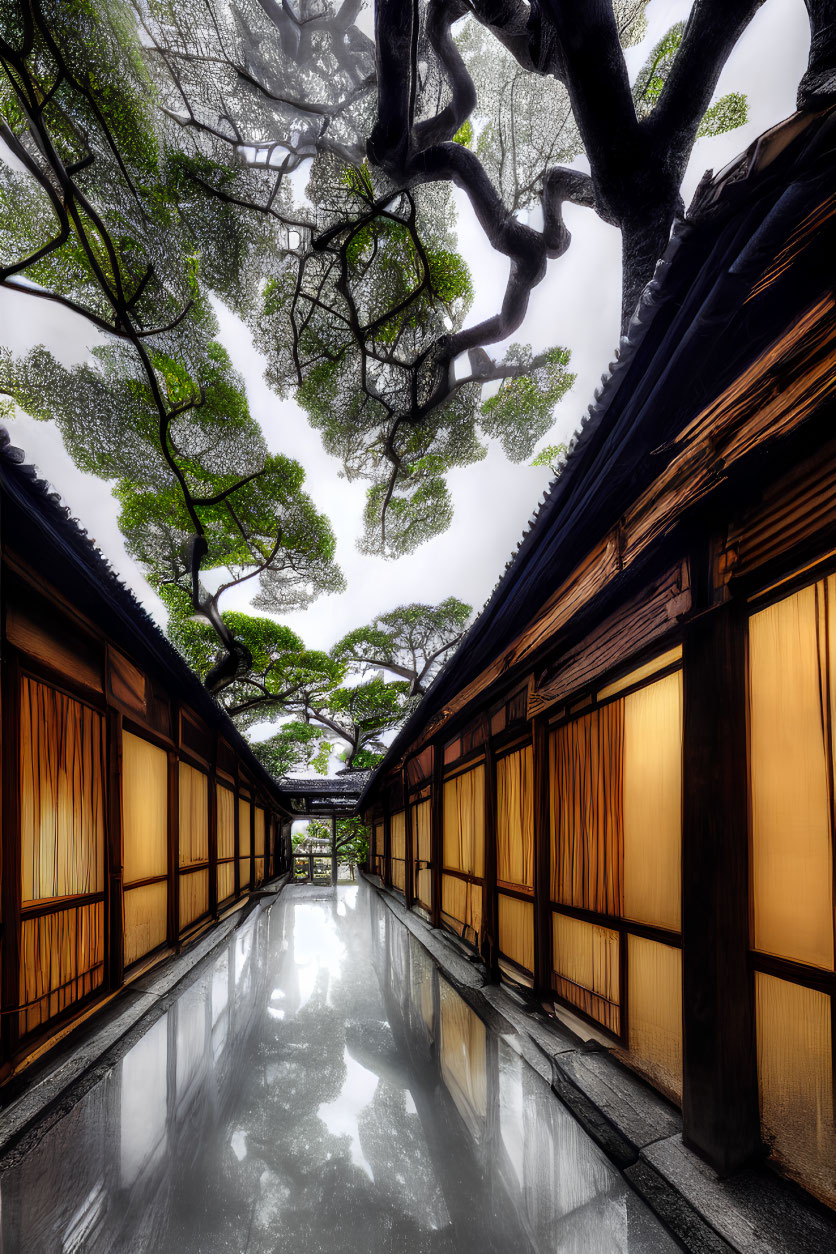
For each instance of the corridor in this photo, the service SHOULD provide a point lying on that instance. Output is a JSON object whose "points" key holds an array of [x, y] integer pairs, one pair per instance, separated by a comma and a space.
{"points": [[318, 1086]]}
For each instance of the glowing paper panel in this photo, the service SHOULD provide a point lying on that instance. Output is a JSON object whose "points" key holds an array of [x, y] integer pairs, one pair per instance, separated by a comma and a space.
{"points": [[144, 845], [795, 1072], [194, 816], [655, 992], [516, 930], [259, 845], [61, 961], [397, 837], [585, 959], [461, 902], [652, 799], [226, 842], [792, 853], [244, 842], [194, 896], [464, 822], [61, 795], [586, 809], [515, 818]]}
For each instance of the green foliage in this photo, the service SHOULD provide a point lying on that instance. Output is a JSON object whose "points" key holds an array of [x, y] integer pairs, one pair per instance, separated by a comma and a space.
{"points": [[409, 641], [296, 746], [729, 112], [464, 135], [550, 456], [522, 411], [726, 114]]}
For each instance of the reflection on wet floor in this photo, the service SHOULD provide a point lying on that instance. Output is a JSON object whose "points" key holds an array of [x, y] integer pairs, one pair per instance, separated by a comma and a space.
{"points": [[319, 1087]]}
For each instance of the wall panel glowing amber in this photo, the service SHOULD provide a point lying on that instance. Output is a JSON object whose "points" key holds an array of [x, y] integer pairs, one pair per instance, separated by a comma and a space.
{"points": [[461, 905], [226, 842], [652, 799], [515, 818], [790, 645], [61, 795], [585, 959], [61, 961], [516, 930], [194, 896], [795, 1069], [194, 816], [655, 1001], [244, 843], [397, 837], [144, 845], [259, 845], [464, 822]]}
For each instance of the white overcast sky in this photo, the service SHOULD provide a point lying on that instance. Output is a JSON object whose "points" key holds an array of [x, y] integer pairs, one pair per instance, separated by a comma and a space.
{"points": [[577, 305]]}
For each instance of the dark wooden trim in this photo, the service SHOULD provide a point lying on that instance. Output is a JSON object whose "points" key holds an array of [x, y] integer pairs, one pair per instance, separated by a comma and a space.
{"points": [[10, 888], [55, 905], [44, 674], [617, 923], [515, 890], [721, 1120], [542, 858], [464, 764], [510, 741], [464, 875], [154, 737], [616, 1037], [764, 593], [795, 972], [115, 925], [149, 879]]}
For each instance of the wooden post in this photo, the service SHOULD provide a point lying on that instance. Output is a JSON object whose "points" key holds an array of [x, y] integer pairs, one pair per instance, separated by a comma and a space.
{"points": [[720, 1094], [333, 850], [542, 859], [11, 892], [489, 947], [114, 839], [437, 831]]}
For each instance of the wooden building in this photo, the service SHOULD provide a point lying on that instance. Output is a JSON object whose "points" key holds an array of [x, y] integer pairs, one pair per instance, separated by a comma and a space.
{"points": [[134, 815], [620, 790]]}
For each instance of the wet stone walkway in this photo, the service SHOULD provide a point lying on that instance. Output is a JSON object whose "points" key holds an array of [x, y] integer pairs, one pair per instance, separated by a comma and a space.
{"points": [[320, 1087]]}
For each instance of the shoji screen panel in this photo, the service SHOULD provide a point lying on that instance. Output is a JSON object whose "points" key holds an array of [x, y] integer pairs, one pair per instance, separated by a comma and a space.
{"points": [[144, 846], [792, 844], [422, 852], [515, 855], [464, 852], [194, 844], [616, 853], [792, 701], [397, 837], [795, 1065], [226, 842], [259, 844], [244, 843], [62, 849]]}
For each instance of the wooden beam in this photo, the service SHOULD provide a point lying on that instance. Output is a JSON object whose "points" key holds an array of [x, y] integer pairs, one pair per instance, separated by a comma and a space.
{"points": [[720, 1095]]}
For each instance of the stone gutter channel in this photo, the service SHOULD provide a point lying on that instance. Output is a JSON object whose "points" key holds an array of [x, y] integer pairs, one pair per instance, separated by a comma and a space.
{"points": [[753, 1212], [39, 1097]]}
